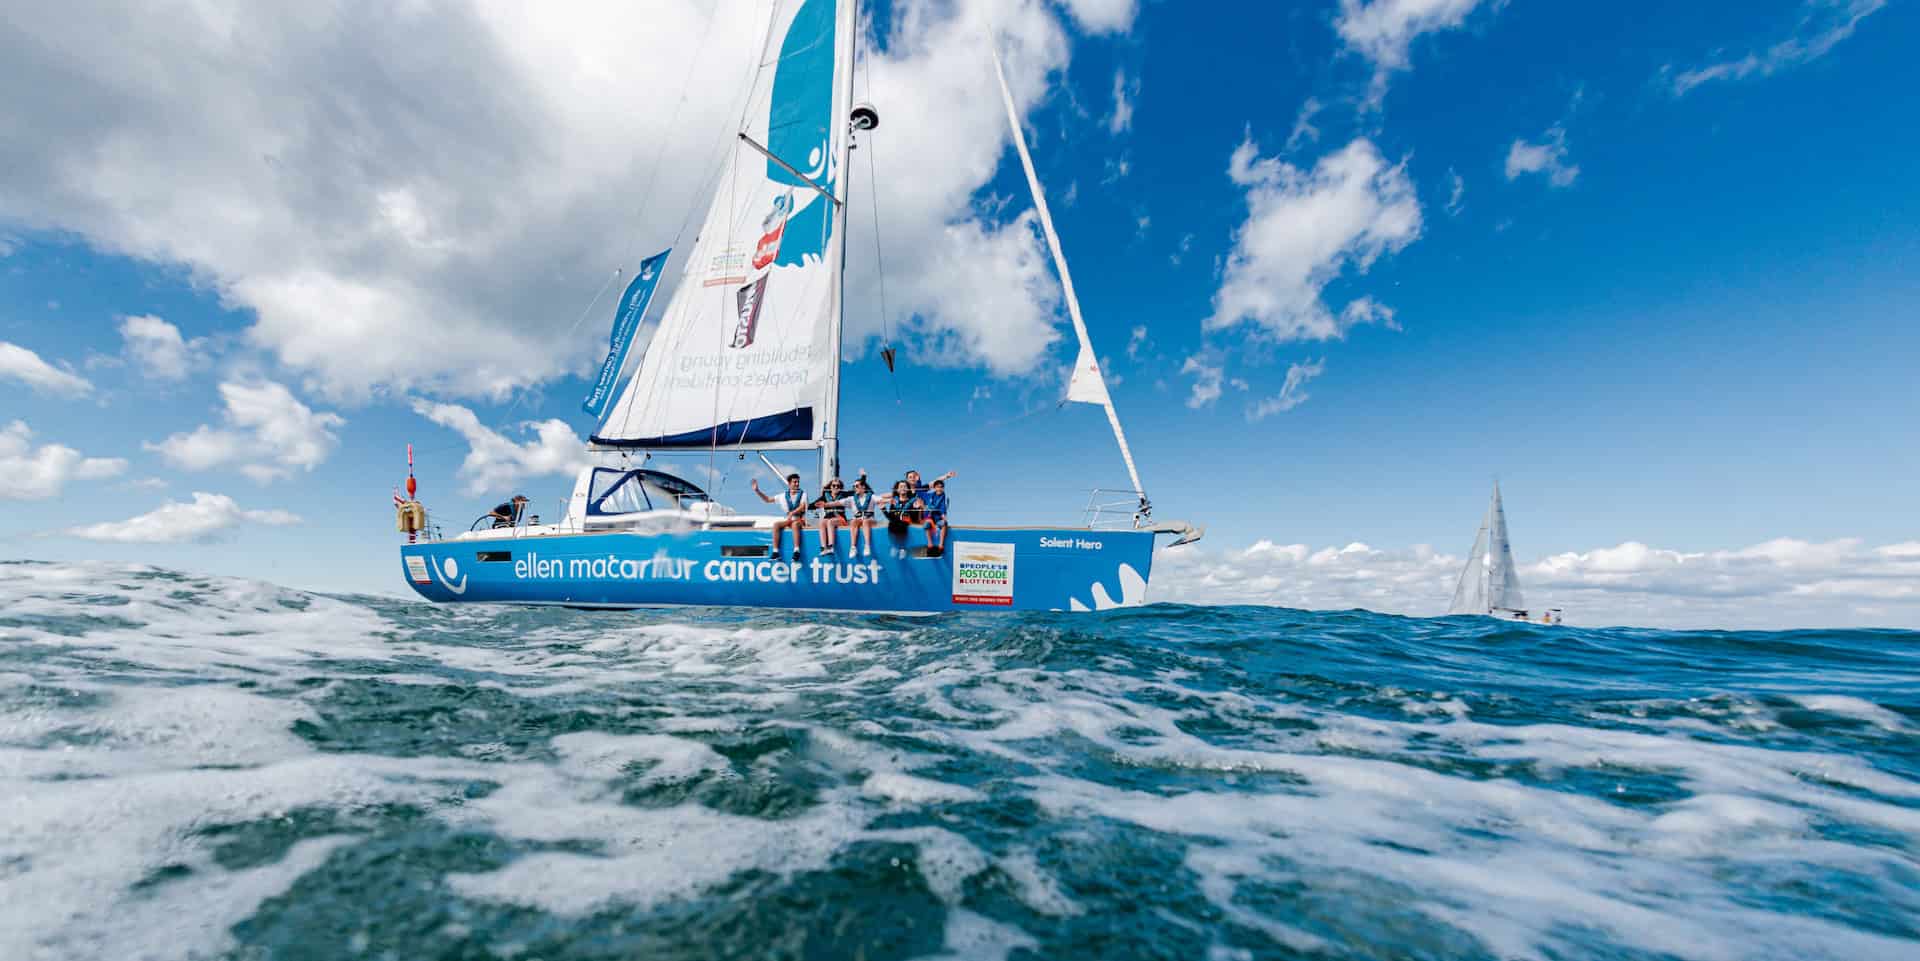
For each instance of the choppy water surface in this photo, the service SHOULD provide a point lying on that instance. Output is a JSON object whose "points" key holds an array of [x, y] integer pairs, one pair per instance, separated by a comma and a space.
{"points": [[204, 767]]}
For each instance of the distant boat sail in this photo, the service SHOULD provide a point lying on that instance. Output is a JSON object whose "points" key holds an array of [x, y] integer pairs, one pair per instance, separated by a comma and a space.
{"points": [[745, 358], [1489, 584]]}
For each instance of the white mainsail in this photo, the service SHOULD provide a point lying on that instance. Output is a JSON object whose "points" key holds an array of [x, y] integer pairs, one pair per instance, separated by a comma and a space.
{"points": [[746, 353], [1489, 582]]}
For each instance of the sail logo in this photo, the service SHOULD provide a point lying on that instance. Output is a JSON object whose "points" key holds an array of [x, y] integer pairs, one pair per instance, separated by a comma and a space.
{"points": [[983, 574], [747, 306], [772, 228], [449, 569]]}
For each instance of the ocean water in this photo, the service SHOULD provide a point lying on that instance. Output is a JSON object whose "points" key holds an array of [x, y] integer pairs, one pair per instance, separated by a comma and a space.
{"points": [[205, 767]]}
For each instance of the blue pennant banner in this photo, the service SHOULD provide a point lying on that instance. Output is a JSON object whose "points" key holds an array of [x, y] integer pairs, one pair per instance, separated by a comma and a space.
{"points": [[626, 323]]}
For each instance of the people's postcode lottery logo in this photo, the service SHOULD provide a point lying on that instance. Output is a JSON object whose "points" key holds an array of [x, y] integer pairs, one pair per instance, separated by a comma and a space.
{"points": [[983, 574]]}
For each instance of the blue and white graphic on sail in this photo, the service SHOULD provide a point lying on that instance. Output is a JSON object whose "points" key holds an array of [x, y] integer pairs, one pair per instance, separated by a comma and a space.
{"points": [[744, 352], [626, 323]]}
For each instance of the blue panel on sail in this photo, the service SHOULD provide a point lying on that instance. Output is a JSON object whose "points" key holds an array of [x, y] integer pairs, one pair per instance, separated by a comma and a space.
{"points": [[800, 127], [792, 425], [799, 122]]}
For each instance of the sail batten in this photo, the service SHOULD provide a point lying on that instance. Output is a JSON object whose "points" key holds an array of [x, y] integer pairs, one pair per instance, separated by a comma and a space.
{"points": [[745, 352]]}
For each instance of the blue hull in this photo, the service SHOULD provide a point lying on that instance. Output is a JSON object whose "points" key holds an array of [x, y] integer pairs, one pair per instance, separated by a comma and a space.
{"points": [[1024, 569]]}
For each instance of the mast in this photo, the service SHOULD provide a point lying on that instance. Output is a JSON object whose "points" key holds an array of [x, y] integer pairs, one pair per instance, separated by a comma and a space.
{"points": [[847, 17], [1093, 388]]}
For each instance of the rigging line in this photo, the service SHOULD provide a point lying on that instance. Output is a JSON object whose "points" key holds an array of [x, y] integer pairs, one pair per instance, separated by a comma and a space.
{"points": [[659, 155], [992, 424], [717, 163], [653, 174], [880, 265]]}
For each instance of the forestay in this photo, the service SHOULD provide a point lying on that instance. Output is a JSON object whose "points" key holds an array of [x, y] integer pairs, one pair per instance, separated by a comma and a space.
{"points": [[744, 354]]}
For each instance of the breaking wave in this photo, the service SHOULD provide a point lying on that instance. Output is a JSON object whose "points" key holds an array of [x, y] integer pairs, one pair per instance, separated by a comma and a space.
{"points": [[200, 767]]}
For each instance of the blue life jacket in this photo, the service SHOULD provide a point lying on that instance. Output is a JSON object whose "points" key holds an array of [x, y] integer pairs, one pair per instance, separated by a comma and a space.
{"points": [[863, 504], [936, 503], [792, 500], [829, 504]]}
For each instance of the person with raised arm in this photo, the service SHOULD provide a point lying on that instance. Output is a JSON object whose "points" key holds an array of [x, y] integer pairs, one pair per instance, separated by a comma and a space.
{"points": [[920, 488], [793, 501]]}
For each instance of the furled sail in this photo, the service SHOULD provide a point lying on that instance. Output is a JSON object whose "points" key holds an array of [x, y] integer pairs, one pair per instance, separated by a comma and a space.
{"points": [[744, 353], [1085, 385]]}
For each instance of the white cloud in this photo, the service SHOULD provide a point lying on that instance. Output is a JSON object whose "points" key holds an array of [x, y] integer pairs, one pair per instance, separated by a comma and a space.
{"points": [[1777, 584], [1383, 31], [1206, 382], [1121, 120], [208, 517], [1137, 341], [1292, 393], [439, 229], [204, 448], [1548, 157], [271, 434], [1209, 381], [1303, 229], [1103, 16], [1456, 193], [157, 347], [968, 283], [1823, 24], [494, 462], [25, 366], [1304, 132], [36, 473]]}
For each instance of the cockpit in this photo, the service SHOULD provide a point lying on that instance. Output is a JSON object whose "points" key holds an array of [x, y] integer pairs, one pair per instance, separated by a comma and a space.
{"points": [[612, 492]]}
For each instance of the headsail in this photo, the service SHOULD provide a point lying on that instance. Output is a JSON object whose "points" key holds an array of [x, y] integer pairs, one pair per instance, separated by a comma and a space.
{"points": [[744, 355], [1470, 597]]}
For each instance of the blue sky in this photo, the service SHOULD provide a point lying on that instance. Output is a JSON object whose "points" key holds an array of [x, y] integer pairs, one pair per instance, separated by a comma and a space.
{"points": [[1672, 303]]}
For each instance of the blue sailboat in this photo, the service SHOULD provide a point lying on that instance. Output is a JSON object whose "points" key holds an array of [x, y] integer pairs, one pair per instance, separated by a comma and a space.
{"points": [[745, 359]]}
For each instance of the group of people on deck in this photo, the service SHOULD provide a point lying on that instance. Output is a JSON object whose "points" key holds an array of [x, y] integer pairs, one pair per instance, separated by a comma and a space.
{"points": [[909, 504]]}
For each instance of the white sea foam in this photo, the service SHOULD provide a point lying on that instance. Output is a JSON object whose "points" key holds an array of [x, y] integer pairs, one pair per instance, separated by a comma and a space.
{"points": [[1855, 708], [1037, 888], [1490, 829], [591, 754], [914, 790], [975, 937]]}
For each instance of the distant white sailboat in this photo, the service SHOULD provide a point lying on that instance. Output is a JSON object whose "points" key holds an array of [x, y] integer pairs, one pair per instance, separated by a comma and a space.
{"points": [[1489, 585]]}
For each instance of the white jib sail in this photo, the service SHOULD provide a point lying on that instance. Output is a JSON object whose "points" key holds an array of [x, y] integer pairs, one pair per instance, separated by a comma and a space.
{"points": [[744, 353], [1470, 596]]}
